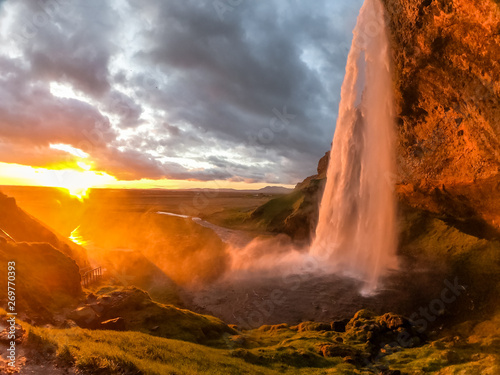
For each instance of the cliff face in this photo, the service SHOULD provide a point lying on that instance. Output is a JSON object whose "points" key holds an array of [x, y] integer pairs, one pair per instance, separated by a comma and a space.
{"points": [[47, 265], [446, 63], [295, 214], [446, 56], [24, 228]]}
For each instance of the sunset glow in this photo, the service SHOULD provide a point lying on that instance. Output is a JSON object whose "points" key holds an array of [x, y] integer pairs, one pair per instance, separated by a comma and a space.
{"points": [[76, 182], [70, 150]]}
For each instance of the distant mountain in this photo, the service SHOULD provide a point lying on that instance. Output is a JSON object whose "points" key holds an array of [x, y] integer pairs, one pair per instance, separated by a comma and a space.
{"points": [[265, 190], [275, 190]]}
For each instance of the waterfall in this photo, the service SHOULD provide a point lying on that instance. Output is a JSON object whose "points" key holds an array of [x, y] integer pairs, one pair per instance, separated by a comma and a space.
{"points": [[356, 232]]}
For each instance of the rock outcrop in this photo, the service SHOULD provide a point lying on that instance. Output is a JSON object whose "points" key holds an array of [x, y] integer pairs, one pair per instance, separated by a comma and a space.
{"points": [[133, 309], [295, 214], [447, 87], [47, 265], [446, 61], [446, 64]]}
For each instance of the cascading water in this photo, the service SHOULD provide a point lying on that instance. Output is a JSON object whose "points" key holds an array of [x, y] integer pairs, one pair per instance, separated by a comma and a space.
{"points": [[356, 232]]}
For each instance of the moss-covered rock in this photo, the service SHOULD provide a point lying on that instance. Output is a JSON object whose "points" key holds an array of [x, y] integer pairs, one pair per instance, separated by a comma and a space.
{"points": [[138, 312]]}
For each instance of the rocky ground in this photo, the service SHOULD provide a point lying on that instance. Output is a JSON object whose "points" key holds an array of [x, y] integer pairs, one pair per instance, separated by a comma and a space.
{"points": [[293, 298]]}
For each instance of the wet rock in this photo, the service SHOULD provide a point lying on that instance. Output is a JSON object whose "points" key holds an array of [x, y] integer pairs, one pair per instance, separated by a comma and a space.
{"points": [[447, 80], [237, 341], [339, 325], [337, 350], [390, 372], [350, 360], [116, 324], [452, 357], [385, 334], [4, 335], [68, 323], [312, 326], [91, 298], [393, 321], [85, 317]]}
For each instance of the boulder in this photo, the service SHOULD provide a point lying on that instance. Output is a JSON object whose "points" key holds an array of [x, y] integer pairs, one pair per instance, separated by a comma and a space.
{"points": [[116, 324], [337, 350], [85, 317], [339, 325]]}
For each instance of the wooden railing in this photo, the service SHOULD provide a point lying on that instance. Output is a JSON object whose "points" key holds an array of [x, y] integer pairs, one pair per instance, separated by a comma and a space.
{"points": [[91, 276]]}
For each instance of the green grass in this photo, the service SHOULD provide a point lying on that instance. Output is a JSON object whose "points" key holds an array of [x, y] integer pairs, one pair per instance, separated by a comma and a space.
{"points": [[271, 215], [448, 358], [431, 242], [109, 352], [276, 349], [142, 314], [46, 279], [233, 218]]}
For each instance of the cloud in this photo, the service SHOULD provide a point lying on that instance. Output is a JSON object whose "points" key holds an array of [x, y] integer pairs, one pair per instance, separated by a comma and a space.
{"points": [[31, 116], [171, 89]]}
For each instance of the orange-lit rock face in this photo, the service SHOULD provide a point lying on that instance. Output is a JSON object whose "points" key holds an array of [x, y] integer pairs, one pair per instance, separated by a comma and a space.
{"points": [[446, 57]]}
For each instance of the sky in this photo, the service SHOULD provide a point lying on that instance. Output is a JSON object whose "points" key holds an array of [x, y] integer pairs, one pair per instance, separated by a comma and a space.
{"points": [[179, 94]]}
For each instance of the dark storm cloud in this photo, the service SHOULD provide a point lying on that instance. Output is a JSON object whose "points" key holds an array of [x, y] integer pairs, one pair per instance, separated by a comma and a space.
{"points": [[179, 79], [123, 106], [232, 76], [67, 41], [31, 116]]}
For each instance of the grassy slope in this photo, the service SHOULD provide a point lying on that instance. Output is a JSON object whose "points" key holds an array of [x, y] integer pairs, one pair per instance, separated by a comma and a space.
{"points": [[272, 215], [142, 314], [268, 350], [112, 352], [430, 241], [47, 280], [23, 227]]}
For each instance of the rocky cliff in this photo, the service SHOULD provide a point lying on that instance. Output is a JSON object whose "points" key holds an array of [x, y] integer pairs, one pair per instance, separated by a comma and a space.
{"points": [[446, 63], [21, 227], [295, 214], [47, 265], [446, 57]]}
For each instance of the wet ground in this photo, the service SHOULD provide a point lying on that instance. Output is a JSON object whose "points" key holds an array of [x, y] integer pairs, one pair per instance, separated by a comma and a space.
{"points": [[251, 302]]}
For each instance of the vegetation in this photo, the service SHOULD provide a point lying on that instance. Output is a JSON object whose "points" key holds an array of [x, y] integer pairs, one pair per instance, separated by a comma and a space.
{"points": [[160, 338], [309, 348], [462, 250], [50, 279]]}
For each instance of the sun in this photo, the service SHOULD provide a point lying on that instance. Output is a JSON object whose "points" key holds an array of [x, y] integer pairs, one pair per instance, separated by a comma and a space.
{"points": [[75, 181], [79, 179], [78, 192], [78, 182]]}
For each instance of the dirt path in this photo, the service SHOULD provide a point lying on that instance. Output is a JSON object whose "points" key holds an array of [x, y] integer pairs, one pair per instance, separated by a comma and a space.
{"points": [[26, 362]]}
